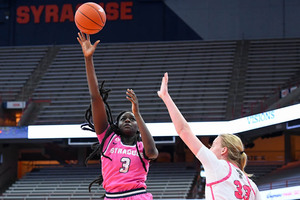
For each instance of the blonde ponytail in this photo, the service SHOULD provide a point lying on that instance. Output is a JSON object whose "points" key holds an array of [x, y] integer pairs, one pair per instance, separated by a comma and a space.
{"points": [[236, 153]]}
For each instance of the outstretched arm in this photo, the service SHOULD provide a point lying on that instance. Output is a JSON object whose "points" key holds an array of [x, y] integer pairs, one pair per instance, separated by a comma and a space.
{"points": [[98, 107], [182, 127], [148, 141]]}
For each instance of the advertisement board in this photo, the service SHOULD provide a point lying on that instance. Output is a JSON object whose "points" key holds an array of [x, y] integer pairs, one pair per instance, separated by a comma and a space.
{"points": [[240, 125]]}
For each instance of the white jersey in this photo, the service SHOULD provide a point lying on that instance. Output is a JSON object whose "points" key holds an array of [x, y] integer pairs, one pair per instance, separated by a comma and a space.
{"points": [[225, 181]]}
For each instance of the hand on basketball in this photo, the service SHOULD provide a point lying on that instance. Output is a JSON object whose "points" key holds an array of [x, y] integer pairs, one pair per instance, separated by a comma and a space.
{"points": [[88, 49], [134, 101], [164, 86]]}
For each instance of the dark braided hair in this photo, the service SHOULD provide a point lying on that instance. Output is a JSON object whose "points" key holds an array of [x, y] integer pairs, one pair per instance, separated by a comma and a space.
{"points": [[98, 147]]}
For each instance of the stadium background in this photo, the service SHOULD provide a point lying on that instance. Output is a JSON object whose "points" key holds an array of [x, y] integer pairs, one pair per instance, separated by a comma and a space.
{"points": [[50, 24]]}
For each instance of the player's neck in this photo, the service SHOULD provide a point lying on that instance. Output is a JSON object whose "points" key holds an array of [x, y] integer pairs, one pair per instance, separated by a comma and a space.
{"points": [[128, 140]]}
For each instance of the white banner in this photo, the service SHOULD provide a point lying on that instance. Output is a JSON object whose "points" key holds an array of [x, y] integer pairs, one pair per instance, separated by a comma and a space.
{"points": [[167, 129], [288, 193]]}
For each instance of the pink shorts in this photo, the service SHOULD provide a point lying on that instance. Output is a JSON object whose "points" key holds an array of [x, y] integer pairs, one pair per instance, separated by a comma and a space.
{"points": [[145, 196]]}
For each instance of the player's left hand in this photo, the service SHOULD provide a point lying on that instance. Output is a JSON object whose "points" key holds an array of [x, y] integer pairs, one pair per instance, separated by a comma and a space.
{"points": [[134, 101]]}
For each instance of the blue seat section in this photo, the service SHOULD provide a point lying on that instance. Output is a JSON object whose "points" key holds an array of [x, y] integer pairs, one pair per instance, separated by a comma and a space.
{"points": [[165, 180], [199, 75], [16, 66]]}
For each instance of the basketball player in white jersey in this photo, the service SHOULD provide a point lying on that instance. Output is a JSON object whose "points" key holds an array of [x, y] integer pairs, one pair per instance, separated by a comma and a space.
{"points": [[223, 163]]}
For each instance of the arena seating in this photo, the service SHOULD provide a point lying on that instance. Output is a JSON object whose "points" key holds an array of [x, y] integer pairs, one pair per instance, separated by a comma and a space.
{"points": [[260, 169], [271, 65], [16, 66], [165, 180], [199, 76], [285, 176]]}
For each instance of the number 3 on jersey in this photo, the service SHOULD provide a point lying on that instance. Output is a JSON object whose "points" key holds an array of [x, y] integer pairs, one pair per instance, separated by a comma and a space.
{"points": [[240, 188], [125, 165]]}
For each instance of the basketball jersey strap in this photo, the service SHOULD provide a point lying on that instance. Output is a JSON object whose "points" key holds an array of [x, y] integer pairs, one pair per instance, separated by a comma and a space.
{"points": [[128, 193]]}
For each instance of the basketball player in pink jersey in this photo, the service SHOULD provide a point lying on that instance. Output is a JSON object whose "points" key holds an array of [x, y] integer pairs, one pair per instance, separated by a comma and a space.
{"points": [[223, 163], [126, 147]]}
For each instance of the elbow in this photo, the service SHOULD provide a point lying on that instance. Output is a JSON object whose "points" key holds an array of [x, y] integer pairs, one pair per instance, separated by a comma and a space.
{"points": [[183, 130], [153, 154]]}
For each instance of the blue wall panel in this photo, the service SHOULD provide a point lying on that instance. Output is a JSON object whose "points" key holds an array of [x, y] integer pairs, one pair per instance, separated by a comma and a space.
{"points": [[51, 22], [35, 22]]}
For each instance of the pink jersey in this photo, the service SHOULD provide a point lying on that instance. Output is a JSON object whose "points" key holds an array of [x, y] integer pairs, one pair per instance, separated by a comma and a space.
{"points": [[225, 181], [125, 171]]}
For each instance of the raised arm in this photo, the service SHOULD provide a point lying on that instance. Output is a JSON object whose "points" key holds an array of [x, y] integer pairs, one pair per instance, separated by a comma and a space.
{"points": [[98, 107], [182, 127], [148, 141]]}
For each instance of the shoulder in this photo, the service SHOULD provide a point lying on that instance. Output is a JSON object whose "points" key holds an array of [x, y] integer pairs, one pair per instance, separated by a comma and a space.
{"points": [[207, 157], [102, 135]]}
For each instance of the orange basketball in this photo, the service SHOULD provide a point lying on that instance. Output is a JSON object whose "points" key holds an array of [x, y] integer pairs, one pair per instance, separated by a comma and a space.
{"points": [[90, 18]]}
